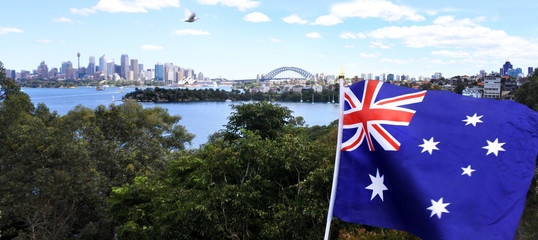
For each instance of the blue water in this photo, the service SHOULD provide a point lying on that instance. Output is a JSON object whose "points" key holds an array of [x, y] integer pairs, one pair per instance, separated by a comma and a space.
{"points": [[199, 118]]}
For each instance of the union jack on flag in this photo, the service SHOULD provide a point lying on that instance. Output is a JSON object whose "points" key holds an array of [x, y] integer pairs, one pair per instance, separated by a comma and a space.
{"points": [[368, 114]]}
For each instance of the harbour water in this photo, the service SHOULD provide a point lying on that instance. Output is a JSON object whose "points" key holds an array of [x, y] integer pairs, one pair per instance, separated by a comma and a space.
{"points": [[199, 118]]}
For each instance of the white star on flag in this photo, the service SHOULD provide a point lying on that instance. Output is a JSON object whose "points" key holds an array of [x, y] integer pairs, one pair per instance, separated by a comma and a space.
{"points": [[377, 185], [429, 145], [438, 208], [468, 170], [473, 120], [494, 147]]}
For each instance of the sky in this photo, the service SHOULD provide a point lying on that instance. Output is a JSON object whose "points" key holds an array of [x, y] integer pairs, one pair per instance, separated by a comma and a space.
{"points": [[238, 39]]}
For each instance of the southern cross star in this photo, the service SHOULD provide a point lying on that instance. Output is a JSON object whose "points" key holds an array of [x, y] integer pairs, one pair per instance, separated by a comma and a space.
{"points": [[429, 145], [473, 120], [494, 147], [438, 208], [468, 170], [377, 185]]}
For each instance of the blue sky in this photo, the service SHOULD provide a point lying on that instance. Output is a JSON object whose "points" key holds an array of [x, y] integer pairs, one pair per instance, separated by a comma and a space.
{"points": [[238, 39]]}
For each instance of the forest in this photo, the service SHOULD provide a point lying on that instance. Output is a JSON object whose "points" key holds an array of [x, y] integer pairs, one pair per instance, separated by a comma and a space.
{"points": [[124, 172]]}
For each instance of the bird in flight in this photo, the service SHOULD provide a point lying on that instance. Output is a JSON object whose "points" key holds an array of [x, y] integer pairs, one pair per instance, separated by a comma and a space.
{"points": [[189, 17]]}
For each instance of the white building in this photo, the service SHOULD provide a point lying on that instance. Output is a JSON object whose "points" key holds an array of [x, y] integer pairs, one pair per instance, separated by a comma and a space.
{"points": [[492, 87]]}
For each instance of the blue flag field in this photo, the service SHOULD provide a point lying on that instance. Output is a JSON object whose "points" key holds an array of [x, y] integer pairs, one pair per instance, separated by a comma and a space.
{"points": [[434, 163]]}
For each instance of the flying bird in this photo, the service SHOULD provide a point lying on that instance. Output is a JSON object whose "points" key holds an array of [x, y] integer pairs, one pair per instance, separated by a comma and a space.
{"points": [[189, 17]]}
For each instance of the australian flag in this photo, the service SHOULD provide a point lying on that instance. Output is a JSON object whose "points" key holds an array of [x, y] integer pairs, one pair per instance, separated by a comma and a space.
{"points": [[434, 163]]}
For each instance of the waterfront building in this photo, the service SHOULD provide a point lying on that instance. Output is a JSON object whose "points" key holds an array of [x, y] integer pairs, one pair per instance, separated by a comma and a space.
{"points": [[65, 66], [134, 68], [43, 71], [124, 66], [91, 66], [110, 67], [159, 72], [103, 66], [492, 87]]}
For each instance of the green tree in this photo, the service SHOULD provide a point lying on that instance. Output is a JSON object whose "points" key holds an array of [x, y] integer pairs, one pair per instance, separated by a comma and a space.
{"points": [[528, 93], [251, 188], [264, 118]]}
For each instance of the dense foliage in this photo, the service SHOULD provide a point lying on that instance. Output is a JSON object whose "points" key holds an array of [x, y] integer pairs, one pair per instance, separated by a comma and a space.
{"points": [[122, 172], [186, 95]]}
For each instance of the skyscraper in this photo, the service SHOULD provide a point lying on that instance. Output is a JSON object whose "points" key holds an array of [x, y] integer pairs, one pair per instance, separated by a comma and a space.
{"points": [[91, 66], [134, 68], [110, 67], [159, 72], [43, 70], [65, 66], [103, 66], [507, 66], [530, 71], [124, 66]]}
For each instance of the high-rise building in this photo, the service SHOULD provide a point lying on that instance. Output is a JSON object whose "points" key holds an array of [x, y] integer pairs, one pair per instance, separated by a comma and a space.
{"points": [[91, 66], [507, 66], [103, 66], [530, 71], [159, 72], [43, 71], [65, 66], [110, 67], [390, 77], [134, 68], [124, 66]]}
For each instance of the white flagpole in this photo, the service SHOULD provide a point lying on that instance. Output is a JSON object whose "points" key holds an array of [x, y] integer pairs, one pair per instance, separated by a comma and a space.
{"points": [[337, 157]]}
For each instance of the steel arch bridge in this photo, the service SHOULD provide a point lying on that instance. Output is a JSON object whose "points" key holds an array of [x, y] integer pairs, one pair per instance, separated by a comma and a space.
{"points": [[302, 72]]}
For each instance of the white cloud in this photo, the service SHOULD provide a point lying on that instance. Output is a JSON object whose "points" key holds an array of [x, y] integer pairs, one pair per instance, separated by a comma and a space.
{"points": [[379, 44], [256, 17], [44, 41], [313, 35], [294, 19], [327, 20], [375, 9], [6, 30], [242, 5], [349, 46], [62, 20], [151, 47], [450, 21], [195, 32], [465, 39], [395, 61], [129, 6], [370, 55], [275, 40], [348, 35], [82, 11], [453, 54]]}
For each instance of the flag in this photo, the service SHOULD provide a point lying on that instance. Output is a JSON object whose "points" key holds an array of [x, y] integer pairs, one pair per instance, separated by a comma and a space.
{"points": [[434, 163]]}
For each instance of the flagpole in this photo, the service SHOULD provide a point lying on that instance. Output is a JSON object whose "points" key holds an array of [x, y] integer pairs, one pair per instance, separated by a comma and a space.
{"points": [[337, 157]]}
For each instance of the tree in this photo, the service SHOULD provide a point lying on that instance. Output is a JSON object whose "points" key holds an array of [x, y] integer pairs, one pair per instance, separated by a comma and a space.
{"points": [[253, 187], [58, 171], [264, 118], [527, 93]]}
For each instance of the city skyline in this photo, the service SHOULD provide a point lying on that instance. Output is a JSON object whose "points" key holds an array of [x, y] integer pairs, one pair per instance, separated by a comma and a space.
{"points": [[240, 39]]}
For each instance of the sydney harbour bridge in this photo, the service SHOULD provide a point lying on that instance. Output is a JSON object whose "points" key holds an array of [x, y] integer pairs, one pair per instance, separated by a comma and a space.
{"points": [[275, 74]]}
